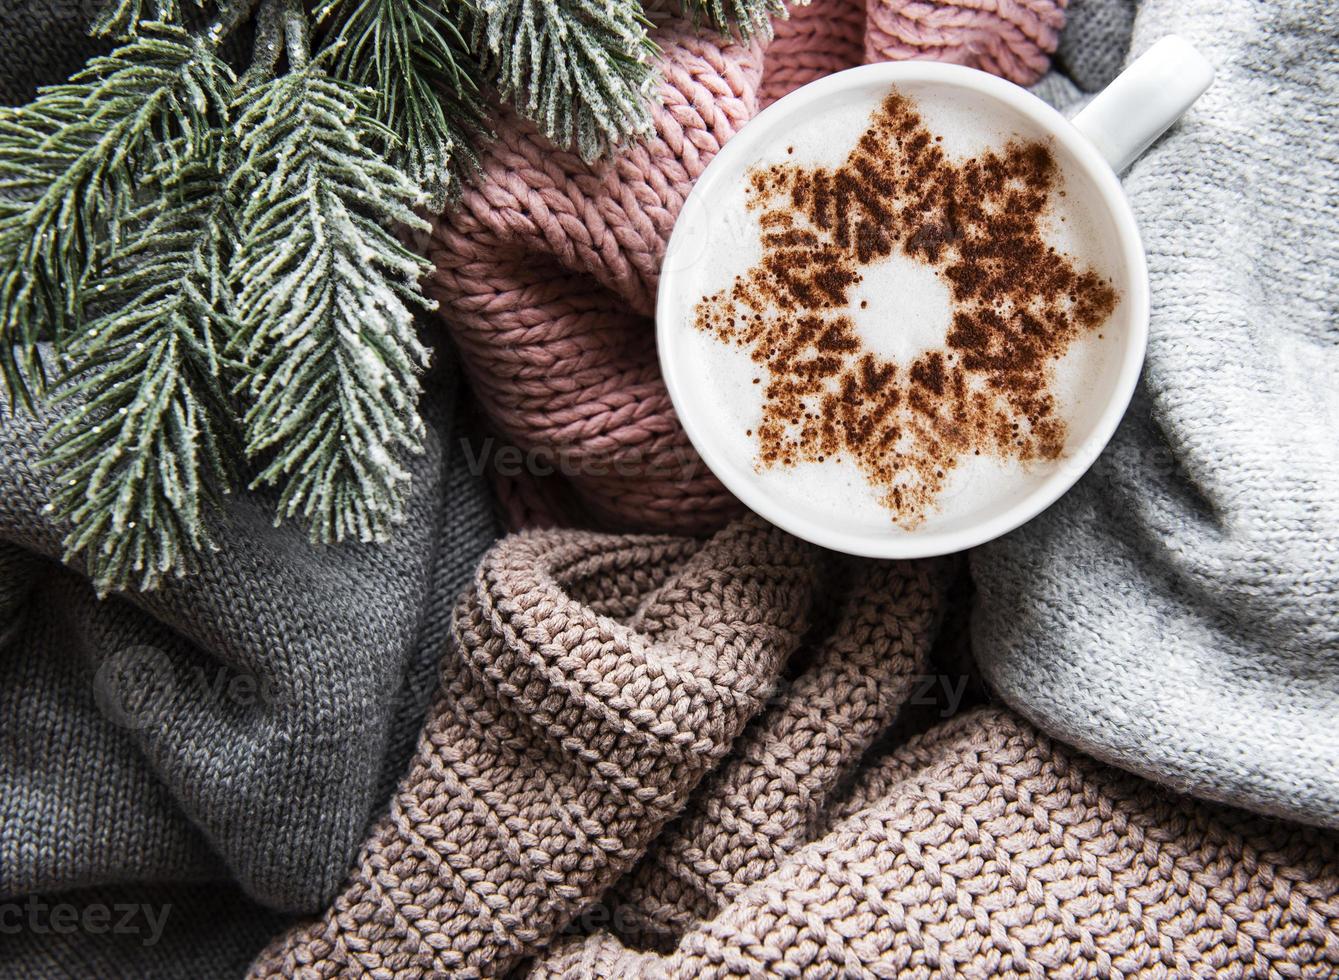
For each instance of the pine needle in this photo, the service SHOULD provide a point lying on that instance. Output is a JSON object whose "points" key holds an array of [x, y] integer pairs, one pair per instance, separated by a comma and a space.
{"points": [[69, 166], [423, 76], [121, 18], [746, 18], [581, 69]]}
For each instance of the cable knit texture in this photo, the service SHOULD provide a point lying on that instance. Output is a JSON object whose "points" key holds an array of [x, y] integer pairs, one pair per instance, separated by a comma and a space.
{"points": [[654, 756], [1177, 612], [547, 269]]}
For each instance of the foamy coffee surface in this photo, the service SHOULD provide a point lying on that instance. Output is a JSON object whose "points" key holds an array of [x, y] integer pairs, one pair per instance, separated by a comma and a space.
{"points": [[907, 313]]}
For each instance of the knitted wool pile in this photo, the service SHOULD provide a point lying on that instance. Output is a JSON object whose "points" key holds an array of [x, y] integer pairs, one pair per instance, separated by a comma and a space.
{"points": [[650, 743], [1190, 579], [654, 755], [547, 270]]}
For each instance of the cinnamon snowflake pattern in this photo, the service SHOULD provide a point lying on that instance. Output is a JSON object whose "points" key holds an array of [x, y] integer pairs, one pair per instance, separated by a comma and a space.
{"points": [[1017, 306]]}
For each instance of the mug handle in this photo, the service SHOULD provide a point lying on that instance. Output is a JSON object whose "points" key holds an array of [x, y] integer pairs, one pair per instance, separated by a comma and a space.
{"points": [[1124, 119]]}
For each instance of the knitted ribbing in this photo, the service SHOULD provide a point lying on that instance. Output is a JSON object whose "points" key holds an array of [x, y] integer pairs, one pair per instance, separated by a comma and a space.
{"points": [[985, 849], [546, 269], [593, 680]]}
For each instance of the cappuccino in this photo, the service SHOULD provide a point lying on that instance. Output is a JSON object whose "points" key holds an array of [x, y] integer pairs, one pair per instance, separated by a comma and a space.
{"points": [[907, 313]]}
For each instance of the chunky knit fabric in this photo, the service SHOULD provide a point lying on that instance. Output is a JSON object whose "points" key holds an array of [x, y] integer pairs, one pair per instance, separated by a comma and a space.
{"points": [[547, 270], [985, 849], [624, 668], [654, 756], [1012, 39]]}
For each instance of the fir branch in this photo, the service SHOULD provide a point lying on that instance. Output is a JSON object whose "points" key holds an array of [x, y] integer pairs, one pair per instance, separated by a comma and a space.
{"points": [[143, 449], [121, 18], [325, 337], [73, 158], [581, 69], [413, 57], [267, 45], [747, 18], [22, 181], [297, 33], [121, 196]]}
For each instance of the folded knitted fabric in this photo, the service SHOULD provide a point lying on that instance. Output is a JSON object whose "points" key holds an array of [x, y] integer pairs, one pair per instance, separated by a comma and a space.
{"points": [[656, 756], [1177, 613], [592, 681], [546, 271], [246, 722], [1095, 41], [985, 849]]}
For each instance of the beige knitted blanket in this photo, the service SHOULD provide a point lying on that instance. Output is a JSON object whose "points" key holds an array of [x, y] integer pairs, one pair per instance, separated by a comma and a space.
{"points": [[658, 756]]}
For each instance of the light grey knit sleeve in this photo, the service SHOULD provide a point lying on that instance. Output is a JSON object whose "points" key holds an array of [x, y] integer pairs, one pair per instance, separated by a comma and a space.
{"points": [[1177, 613]]}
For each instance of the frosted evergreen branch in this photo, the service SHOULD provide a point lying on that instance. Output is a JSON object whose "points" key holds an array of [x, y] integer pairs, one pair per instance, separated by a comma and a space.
{"points": [[230, 13], [747, 18], [74, 157], [297, 33], [328, 344], [121, 18], [189, 247], [267, 45], [143, 450], [422, 75], [581, 69]]}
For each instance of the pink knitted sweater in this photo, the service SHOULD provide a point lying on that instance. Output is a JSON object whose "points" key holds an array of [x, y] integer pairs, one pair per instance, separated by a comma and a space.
{"points": [[546, 271]]}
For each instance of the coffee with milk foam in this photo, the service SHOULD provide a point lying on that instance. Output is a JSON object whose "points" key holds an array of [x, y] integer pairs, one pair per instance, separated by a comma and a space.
{"points": [[911, 315]]}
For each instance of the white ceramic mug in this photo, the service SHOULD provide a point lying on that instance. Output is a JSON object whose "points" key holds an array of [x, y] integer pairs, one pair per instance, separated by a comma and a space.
{"points": [[1112, 130]]}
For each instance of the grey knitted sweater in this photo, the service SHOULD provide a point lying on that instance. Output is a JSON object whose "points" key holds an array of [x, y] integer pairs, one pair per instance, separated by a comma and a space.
{"points": [[1177, 613], [237, 728], [244, 724]]}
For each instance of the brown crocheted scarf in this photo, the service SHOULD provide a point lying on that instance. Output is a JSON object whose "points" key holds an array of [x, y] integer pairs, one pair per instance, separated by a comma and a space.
{"points": [[657, 756]]}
